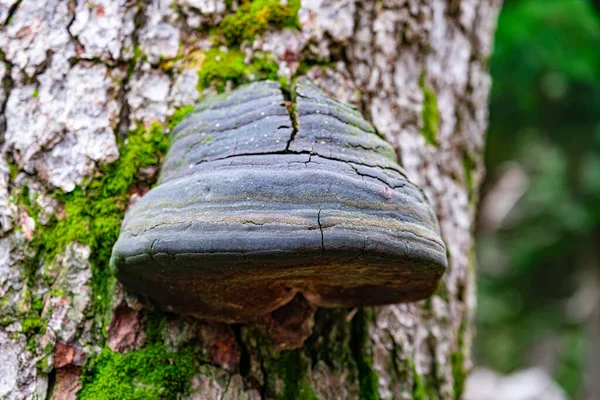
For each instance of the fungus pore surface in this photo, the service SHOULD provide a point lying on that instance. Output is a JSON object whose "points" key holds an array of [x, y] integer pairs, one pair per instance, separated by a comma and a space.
{"points": [[262, 197]]}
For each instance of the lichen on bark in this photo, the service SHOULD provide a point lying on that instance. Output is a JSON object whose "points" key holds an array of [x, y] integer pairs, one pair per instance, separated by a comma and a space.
{"points": [[84, 81]]}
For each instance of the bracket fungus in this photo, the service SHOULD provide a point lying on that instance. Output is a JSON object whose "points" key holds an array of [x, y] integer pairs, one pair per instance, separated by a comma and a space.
{"points": [[261, 199]]}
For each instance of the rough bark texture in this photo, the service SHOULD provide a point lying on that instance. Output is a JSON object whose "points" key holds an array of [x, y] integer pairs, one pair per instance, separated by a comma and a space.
{"points": [[81, 79]]}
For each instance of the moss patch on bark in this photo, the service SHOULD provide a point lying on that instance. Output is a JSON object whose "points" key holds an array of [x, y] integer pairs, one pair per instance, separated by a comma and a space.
{"points": [[457, 360], [430, 113], [92, 213], [219, 67], [152, 372], [288, 376], [253, 18], [367, 376], [469, 166]]}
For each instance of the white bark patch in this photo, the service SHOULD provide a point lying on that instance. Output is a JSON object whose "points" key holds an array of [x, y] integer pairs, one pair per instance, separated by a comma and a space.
{"points": [[5, 6], [330, 385], [13, 286], [184, 89], [74, 277], [202, 12], [18, 374], [332, 17], [8, 211], [214, 383], [159, 37], [36, 28], [337, 83], [103, 27], [62, 132], [147, 97]]}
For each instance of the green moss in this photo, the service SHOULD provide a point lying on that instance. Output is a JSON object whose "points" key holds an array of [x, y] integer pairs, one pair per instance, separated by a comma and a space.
{"points": [[367, 377], [46, 365], [330, 340], [432, 380], [292, 369], [286, 374], [178, 116], [419, 392], [137, 57], [430, 113], [56, 292], [574, 350], [457, 360], [36, 304], [307, 64], [398, 366], [255, 17], [219, 67], [442, 291], [31, 324], [469, 166], [36, 92], [152, 372], [93, 214], [404, 373], [459, 374], [138, 54], [13, 170]]}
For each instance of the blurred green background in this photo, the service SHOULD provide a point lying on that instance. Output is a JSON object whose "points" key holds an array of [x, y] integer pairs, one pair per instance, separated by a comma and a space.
{"points": [[538, 233]]}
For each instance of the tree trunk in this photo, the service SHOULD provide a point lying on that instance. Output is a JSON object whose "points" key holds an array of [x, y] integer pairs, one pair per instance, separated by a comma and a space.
{"points": [[88, 90]]}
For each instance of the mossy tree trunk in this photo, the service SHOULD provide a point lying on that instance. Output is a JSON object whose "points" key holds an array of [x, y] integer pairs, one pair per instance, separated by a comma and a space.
{"points": [[90, 89]]}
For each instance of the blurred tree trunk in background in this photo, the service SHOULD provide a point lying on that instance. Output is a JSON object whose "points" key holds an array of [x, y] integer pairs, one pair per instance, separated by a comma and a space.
{"points": [[90, 87]]}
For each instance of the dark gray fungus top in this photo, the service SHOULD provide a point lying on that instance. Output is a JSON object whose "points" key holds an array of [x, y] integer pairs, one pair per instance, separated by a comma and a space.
{"points": [[256, 203]]}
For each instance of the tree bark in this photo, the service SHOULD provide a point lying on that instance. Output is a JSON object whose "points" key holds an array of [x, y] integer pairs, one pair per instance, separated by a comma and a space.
{"points": [[81, 77]]}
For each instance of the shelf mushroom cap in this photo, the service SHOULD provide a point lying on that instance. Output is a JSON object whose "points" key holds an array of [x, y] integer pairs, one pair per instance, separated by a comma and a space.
{"points": [[259, 200]]}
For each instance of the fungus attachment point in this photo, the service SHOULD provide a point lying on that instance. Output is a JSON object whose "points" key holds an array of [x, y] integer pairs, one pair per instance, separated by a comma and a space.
{"points": [[256, 204]]}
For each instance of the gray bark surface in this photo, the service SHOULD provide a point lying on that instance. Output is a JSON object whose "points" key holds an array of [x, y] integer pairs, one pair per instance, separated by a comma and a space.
{"points": [[73, 81]]}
